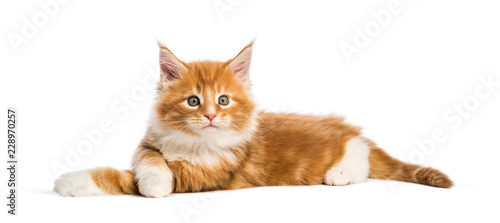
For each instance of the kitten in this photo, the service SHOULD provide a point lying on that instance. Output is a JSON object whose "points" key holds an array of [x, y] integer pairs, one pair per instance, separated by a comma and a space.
{"points": [[205, 134]]}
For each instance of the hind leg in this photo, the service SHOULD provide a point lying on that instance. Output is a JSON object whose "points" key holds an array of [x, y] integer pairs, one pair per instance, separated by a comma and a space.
{"points": [[354, 166]]}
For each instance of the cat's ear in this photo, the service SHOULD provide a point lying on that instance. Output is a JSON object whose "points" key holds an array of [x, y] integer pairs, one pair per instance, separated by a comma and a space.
{"points": [[240, 65], [170, 67]]}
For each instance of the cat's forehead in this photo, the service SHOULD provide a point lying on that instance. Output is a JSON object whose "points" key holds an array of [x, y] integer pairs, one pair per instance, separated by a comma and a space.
{"points": [[206, 71], [208, 77]]}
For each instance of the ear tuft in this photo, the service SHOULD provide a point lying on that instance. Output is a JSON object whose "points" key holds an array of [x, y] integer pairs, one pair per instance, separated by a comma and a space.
{"points": [[240, 65], [170, 67]]}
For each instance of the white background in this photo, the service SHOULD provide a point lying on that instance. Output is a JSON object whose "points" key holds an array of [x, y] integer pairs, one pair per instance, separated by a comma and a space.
{"points": [[427, 59]]}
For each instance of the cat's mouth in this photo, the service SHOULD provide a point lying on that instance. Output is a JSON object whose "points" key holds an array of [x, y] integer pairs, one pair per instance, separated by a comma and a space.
{"points": [[209, 126]]}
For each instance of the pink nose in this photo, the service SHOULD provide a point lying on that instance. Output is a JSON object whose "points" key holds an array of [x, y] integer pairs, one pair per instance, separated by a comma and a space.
{"points": [[210, 116]]}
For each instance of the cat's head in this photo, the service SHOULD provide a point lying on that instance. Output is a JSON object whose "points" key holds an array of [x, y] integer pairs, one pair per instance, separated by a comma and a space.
{"points": [[205, 97]]}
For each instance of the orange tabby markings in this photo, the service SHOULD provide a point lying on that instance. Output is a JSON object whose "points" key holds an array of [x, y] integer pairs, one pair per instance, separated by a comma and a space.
{"points": [[113, 181], [384, 167], [241, 147]]}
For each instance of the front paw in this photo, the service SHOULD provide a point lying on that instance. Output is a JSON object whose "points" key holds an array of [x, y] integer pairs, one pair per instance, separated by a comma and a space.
{"points": [[154, 182], [77, 184]]}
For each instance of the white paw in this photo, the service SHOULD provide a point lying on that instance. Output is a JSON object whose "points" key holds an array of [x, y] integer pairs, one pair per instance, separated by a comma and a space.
{"points": [[77, 184], [336, 177], [154, 182]]}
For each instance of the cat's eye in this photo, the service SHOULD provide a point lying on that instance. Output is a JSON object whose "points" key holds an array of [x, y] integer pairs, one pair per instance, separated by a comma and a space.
{"points": [[193, 101], [223, 100]]}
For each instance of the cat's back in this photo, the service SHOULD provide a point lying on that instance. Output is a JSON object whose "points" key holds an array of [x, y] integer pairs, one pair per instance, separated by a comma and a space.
{"points": [[300, 125]]}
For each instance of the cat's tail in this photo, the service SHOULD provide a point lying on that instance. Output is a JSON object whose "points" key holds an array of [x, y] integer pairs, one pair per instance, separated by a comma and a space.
{"points": [[385, 167], [99, 181]]}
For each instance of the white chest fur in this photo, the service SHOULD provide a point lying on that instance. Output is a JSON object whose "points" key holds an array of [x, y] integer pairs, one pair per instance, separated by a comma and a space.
{"points": [[207, 150]]}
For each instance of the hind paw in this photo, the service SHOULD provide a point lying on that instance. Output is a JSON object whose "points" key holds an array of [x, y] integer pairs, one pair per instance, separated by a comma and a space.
{"points": [[336, 177]]}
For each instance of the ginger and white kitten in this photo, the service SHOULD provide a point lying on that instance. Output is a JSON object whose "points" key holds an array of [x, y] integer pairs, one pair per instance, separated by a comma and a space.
{"points": [[205, 134]]}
